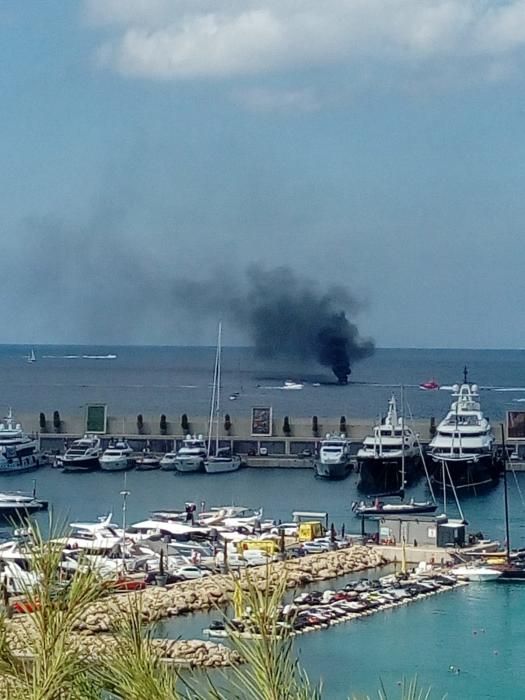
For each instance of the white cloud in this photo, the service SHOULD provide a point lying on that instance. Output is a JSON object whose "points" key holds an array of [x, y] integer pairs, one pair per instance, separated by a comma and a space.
{"points": [[182, 39]]}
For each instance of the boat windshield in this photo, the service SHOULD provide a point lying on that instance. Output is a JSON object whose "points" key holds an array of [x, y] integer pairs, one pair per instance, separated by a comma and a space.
{"points": [[463, 420]]}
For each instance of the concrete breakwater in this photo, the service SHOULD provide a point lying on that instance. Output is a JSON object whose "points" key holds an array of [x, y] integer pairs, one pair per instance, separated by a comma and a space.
{"points": [[298, 440], [238, 427]]}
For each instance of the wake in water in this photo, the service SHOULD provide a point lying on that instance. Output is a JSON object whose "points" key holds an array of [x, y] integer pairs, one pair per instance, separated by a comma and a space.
{"points": [[80, 357]]}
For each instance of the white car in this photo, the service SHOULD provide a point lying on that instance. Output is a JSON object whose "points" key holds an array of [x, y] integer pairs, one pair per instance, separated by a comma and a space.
{"points": [[191, 572], [316, 546], [290, 529]]}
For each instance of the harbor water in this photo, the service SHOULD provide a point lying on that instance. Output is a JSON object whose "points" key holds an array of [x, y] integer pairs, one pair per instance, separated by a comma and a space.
{"points": [[477, 629]]}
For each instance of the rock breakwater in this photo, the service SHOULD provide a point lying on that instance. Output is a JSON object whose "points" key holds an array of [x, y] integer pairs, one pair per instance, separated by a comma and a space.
{"points": [[157, 603]]}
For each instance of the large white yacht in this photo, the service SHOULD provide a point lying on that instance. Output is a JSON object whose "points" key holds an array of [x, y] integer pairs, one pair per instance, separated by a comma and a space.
{"points": [[83, 455], [334, 460], [389, 456], [18, 451], [117, 457], [191, 455], [463, 448]]}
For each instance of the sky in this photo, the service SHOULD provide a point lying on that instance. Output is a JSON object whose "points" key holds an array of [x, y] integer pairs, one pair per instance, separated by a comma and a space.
{"points": [[377, 145]]}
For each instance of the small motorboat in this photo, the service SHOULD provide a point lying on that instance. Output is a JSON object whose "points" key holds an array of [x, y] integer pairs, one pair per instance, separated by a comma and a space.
{"points": [[168, 462], [292, 386], [117, 457], [477, 573], [147, 460], [381, 508], [429, 386]]}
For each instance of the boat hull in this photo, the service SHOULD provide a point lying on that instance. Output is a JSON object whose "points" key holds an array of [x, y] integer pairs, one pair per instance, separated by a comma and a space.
{"points": [[189, 465], [466, 474], [119, 465], [386, 474], [20, 511], [147, 466], [219, 466], [478, 574], [19, 464], [332, 470], [399, 510], [80, 465]]}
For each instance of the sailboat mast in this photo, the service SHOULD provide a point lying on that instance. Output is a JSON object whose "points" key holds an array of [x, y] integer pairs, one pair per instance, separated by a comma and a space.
{"points": [[218, 389], [403, 466], [505, 496], [213, 402]]}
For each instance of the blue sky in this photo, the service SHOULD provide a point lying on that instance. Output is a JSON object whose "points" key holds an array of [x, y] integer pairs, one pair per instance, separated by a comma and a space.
{"points": [[379, 145]]}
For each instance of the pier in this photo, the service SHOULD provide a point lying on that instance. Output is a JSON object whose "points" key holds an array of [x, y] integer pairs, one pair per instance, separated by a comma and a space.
{"points": [[290, 447]]}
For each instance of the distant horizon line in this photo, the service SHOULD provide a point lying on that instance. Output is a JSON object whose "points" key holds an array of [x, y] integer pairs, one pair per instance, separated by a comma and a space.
{"points": [[237, 347]]}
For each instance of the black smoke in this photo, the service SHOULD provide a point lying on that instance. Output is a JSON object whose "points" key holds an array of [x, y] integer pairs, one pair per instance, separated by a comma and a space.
{"points": [[286, 316]]}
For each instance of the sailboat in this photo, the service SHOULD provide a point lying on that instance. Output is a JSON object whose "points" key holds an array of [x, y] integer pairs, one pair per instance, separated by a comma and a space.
{"points": [[31, 357], [222, 460], [514, 568]]}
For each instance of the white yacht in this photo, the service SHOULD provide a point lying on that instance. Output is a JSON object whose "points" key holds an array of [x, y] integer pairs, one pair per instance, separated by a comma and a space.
{"points": [[18, 451], [223, 461], [99, 537], [391, 449], [463, 448], [191, 455], [168, 462], [82, 456], [117, 457], [477, 573], [334, 460], [14, 504]]}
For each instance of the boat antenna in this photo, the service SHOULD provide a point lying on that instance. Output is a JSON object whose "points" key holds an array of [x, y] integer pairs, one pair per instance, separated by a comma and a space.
{"points": [[505, 495], [465, 374]]}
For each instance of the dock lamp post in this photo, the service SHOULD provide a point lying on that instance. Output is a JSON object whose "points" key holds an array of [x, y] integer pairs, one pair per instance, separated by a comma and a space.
{"points": [[124, 493]]}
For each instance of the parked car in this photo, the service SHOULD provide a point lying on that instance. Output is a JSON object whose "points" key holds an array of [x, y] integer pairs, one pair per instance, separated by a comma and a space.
{"points": [[191, 572], [316, 546], [290, 529]]}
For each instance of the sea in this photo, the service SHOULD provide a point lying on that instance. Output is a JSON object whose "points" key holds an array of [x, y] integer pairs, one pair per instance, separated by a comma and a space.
{"points": [[466, 643]]}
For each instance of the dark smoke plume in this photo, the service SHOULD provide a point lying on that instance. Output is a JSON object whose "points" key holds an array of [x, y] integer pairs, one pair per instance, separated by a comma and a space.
{"points": [[285, 316]]}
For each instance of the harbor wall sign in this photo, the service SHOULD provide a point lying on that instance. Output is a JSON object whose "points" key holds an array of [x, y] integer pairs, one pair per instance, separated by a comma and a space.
{"points": [[96, 418], [516, 425], [262, 422]]}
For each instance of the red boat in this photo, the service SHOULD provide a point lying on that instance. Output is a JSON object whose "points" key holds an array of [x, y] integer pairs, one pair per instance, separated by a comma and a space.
{"points": [[430, 385], [125, 584], [24, 606]]}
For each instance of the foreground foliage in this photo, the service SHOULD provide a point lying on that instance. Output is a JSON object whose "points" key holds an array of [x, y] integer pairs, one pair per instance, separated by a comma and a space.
{"points": [[57, 667]]}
